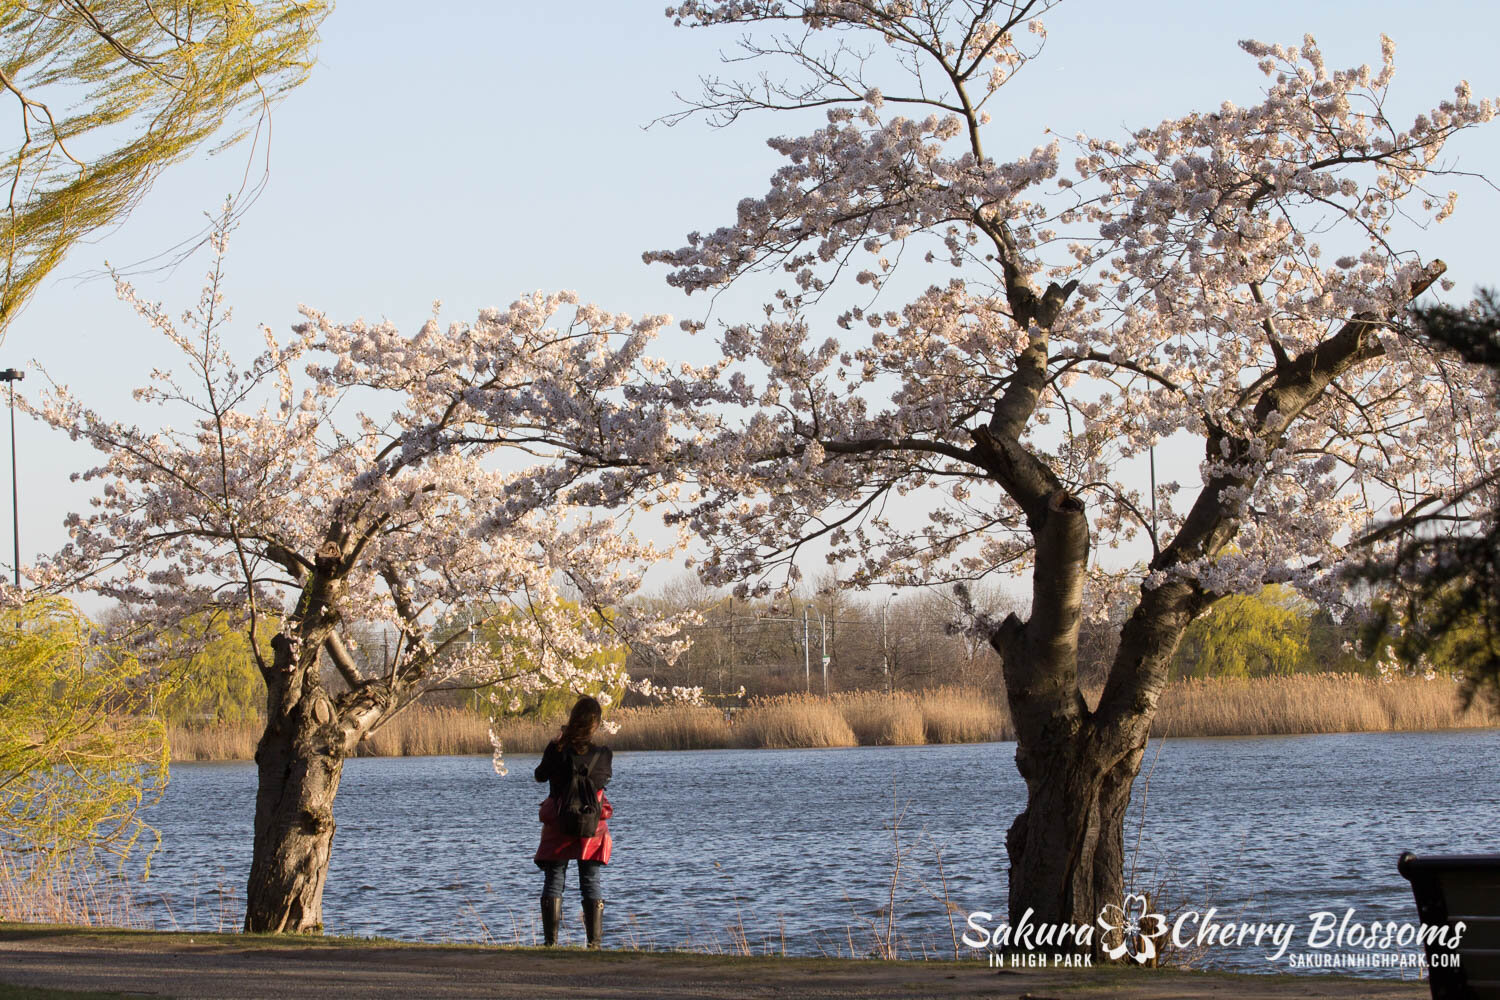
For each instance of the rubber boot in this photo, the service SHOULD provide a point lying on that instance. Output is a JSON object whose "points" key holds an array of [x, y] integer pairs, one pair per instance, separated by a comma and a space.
{"points": [[552, 907], [593, 921]]}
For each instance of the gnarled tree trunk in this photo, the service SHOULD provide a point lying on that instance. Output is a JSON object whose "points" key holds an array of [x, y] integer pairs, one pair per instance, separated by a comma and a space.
{"points": [[299, 760], [1067, 848], [294, 826]]}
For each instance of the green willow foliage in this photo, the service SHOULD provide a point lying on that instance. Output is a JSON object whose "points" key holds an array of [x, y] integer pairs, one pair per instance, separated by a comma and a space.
{"points": [[145, 83], [1248, 635], [75, 769], [501, 699], [205, 673]]}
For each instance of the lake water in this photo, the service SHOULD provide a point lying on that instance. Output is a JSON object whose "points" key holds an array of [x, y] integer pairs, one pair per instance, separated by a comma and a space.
{"points": [[793, 849]]}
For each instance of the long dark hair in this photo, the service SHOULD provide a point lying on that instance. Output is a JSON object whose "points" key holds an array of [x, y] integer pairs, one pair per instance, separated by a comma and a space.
{"points": [[582, 721]]}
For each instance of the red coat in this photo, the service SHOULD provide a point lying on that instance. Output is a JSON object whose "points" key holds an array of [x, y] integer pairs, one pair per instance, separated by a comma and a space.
{"points": [[559, 846]]}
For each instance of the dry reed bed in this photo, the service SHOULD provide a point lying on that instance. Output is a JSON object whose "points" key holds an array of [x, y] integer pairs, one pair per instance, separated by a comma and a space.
{"points": [[1313, 703], [1306, 703], [69, 894], [790, 721]]}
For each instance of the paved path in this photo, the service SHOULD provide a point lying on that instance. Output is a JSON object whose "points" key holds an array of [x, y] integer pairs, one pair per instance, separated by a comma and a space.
{"points": [[252, 968]]}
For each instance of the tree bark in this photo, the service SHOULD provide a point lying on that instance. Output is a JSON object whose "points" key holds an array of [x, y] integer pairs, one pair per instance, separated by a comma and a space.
{"points": [[1067, 848], [308, 735], [300, 759], [293, 832]]}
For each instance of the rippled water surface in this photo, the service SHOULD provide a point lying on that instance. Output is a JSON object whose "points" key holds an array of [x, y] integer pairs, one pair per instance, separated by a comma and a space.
{"points": [[794, 849]]}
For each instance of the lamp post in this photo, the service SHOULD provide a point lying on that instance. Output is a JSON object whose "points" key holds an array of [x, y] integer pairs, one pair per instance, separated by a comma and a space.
{"points": [[14, 375]]}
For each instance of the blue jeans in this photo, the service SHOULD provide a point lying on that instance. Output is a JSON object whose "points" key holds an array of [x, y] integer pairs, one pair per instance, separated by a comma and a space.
{"points": [[556, 875]]}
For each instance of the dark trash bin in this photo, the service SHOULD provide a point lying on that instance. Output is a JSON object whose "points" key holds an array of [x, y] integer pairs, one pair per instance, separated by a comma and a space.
{"points": [[1454, 889]]}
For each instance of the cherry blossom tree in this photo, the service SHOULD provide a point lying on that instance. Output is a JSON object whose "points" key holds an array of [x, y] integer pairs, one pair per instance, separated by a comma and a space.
{"points": [[1229, 278], [352, 476]]}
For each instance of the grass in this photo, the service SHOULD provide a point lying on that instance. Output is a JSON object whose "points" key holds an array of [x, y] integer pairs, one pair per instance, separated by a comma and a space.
{"points": [[959, 715], [1266, 706], [879, 719], [429, 732], [223, 741], [668, 727], [791, 720]]}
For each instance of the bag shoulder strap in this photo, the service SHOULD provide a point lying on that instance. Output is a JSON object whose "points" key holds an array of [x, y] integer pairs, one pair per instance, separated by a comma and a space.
{"points": [[583, 763]]}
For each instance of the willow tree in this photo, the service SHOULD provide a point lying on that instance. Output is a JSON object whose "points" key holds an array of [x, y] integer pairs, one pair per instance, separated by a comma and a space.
{"points": [[1227, 277], [143, 84], [75, 769], [1249, 635]]}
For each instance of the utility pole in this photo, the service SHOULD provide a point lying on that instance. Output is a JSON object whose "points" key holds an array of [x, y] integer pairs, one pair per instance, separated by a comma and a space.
{"points": [[14, 375], [885, 648], [806, 653], [823, 625]]}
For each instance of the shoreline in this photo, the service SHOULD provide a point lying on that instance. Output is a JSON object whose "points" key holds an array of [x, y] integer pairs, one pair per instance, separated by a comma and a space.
{"points": [[891, 746], [96, 962], [1298, 705]]}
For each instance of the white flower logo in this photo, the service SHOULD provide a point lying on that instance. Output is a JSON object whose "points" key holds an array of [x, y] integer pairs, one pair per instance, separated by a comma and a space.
{"points": [[1137, 928]]}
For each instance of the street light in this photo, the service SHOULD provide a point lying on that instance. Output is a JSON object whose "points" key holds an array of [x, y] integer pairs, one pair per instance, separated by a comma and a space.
{"points": [[14, 375]]}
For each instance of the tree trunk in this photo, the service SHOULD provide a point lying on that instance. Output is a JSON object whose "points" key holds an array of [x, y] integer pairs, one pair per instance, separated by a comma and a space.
{"points": [[1067, 849], [293, 829], [300, 759]]}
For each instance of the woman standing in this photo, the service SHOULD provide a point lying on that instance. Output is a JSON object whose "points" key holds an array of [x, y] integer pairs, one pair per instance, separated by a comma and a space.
{"points": [[568, 762]]}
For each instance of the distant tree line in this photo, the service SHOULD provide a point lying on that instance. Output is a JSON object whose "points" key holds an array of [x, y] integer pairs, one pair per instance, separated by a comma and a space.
{"points": [[897, 642], [921, 639], [892, 642]]}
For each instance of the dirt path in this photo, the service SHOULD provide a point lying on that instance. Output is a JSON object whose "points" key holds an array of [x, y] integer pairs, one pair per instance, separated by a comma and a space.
{"points": [[228, 965]]}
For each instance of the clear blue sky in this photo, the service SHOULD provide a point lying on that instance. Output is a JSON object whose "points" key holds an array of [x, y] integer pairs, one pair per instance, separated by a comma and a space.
{"points": [[475, 151]]}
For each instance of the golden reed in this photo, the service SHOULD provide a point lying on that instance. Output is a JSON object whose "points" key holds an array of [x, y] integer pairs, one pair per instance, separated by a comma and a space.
{"points": [[68, 893], [1265, 706], [1313, 703]]}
